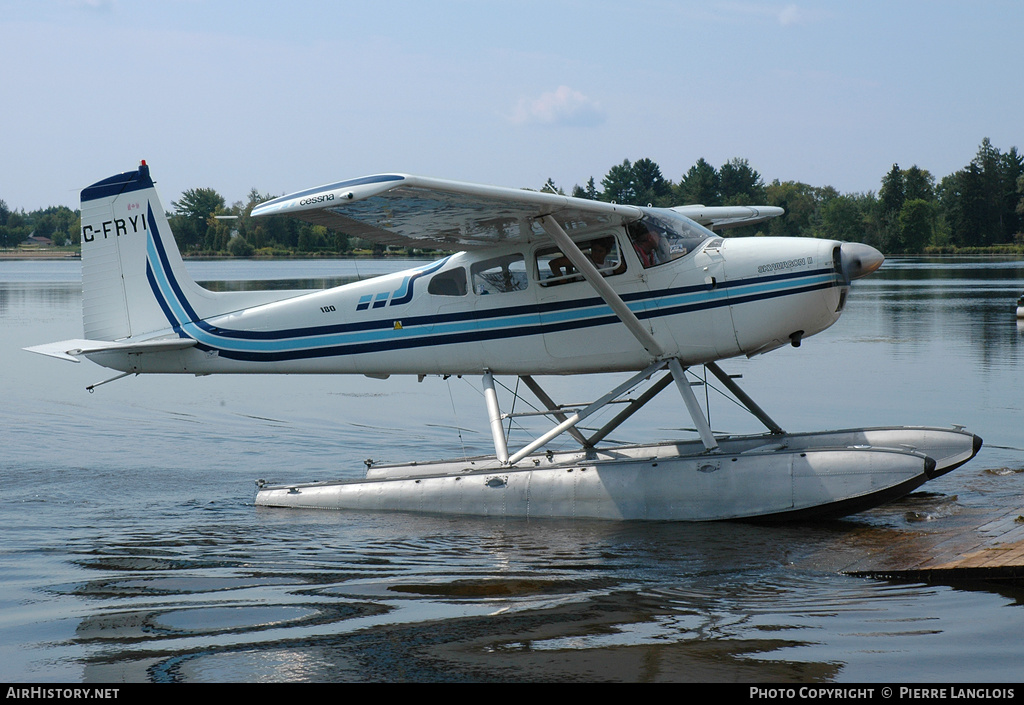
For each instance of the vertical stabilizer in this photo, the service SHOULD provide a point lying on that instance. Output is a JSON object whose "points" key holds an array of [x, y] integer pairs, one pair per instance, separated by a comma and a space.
{"points": [[123, 225]]}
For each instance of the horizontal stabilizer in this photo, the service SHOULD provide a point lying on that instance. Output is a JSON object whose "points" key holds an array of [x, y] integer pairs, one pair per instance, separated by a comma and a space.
{"points": [[72, 349]]}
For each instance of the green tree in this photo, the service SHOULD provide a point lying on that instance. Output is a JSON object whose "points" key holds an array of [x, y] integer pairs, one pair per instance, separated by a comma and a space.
{"points": [[1012, 171], [15, 228], [918, 184], [617, 185], [960, 201], [58, 223], [1020, 194], [739, 184], [979, 202], [45, 225], [218, 234], [238, 246], [917, 225], [311, 238], [844, 218], [699, 186], [891, 198], [192, 213], [800, 203], [341, 242], [893, 192], [649, 184]]}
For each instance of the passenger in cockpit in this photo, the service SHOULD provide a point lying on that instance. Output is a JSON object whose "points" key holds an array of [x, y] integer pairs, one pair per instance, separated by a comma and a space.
{"points": [[596, 251]]}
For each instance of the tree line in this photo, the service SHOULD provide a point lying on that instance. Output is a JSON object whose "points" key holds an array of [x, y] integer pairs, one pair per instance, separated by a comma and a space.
{"points": [[58, 223], [979, 208]]}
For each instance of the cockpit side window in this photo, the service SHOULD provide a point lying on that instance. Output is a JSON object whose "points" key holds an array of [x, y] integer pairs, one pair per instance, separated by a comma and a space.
{"points": [[500, 275], [554, 268], [662, 238], [448, 283]]}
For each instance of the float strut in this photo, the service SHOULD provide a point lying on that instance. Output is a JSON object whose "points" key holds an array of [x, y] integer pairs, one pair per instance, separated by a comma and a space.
{"points": [[494, 415], [550, 404], [751, 405], [703, 427], [571, 421], [634, 406]]}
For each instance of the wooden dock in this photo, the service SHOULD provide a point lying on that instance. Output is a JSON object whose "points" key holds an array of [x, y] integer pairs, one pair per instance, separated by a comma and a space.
{"points": [[980, 544]]}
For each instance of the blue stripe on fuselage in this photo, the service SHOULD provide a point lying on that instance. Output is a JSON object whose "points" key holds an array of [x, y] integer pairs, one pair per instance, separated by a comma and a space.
{"points": [[444, 329]]}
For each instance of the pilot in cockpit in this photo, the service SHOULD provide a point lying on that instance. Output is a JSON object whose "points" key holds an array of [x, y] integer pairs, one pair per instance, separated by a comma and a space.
{"points": [[651, 247]]}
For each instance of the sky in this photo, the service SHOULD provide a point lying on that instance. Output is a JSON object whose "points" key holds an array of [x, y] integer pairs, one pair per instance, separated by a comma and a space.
{"points": [[280, 97]]}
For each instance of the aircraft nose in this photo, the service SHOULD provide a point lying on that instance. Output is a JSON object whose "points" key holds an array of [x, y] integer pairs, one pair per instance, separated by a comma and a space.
{"points": [[859, 260]]}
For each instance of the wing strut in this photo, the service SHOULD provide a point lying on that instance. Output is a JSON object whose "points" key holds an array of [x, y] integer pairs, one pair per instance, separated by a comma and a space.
{"points": [[585, 267]]}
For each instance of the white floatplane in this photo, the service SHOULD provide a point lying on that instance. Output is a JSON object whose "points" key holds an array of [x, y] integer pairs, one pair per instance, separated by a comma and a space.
{"points": [[542, 284]]}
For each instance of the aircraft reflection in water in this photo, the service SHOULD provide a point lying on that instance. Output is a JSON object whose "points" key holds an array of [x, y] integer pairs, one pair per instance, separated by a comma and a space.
{"points": [[542, 284]]}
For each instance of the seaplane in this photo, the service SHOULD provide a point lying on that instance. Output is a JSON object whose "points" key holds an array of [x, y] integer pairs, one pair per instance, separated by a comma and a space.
{"points": [[540, 284]]}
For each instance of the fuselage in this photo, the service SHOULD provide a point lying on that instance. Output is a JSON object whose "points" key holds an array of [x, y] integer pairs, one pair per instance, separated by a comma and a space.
{"points": [[516, 310]]}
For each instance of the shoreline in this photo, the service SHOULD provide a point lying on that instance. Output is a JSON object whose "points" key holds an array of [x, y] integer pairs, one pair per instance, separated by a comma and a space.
{"points": [[48, 254], [40, 254], [76, 255]]}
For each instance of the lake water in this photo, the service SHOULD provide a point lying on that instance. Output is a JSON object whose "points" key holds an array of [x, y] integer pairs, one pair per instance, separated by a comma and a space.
{"points": [[131, 551]]}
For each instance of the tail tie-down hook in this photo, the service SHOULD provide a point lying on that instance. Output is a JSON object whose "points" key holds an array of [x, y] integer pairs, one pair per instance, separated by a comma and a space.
{"points": [[92, 387]]}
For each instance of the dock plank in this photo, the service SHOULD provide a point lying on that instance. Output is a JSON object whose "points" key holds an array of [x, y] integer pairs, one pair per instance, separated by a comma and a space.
{"points": [[970, 544]]}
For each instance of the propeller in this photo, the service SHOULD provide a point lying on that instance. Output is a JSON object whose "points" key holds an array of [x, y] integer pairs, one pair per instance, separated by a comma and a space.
{"points": [[856, 260]]}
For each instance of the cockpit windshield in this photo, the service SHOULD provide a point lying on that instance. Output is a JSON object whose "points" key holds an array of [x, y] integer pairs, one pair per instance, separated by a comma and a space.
{"points": [[664, 237]]}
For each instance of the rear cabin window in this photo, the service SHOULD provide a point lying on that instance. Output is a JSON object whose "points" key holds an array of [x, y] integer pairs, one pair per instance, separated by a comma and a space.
{"points": [[554, 268], [500, 275], [665, 237], [448, 283]]}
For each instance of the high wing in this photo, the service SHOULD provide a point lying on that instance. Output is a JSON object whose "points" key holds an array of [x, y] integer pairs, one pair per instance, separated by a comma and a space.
{"points": [[724, 217], [400, 209], [407, 210]]}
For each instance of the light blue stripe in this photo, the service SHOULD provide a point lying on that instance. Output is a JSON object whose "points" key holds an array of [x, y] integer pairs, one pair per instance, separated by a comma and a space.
{"points": [[164, 285], [315, 341], [299, 343]]}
